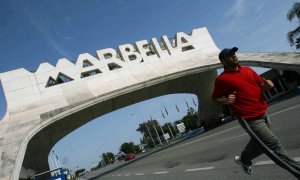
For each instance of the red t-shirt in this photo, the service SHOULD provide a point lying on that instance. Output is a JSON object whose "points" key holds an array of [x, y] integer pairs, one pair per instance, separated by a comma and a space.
{"points": [[249, 100]]}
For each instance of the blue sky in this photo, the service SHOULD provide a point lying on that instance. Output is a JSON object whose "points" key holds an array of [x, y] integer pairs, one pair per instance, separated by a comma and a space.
{"points": [[32, 32]]}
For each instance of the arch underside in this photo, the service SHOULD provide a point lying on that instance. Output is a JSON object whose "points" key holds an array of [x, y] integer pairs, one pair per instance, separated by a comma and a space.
{"points": [[36, 156]]}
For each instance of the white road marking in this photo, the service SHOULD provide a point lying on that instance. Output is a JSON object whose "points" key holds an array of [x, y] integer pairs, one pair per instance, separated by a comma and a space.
{"points": [[199, 169], [140, 174], [269, 115], [297, 159], [162, 172], [259, 163], [201, 138], [208, 168], [233, 137], [284, 110], [225, 130]]}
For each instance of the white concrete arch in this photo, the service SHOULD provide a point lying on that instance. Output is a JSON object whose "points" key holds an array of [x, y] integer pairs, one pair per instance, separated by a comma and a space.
{"points": [[35, 110]]}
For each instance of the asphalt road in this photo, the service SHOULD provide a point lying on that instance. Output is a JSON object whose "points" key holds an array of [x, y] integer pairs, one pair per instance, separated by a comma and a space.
{"points": [[210, 155]]}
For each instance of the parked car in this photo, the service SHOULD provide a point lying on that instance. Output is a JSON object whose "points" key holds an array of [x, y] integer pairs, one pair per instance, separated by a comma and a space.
{"points": [[129, 156], [120, 156]]}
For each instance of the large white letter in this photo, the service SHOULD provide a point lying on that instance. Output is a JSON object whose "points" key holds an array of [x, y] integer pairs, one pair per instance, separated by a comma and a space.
{"points": [[182, 42], [170, 47], [161, 53], [109, 56], [128, 54], [145, 50]]}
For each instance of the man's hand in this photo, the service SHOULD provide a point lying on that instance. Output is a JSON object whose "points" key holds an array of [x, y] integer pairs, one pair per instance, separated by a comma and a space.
{"points": [[230, 99], [226, 100], [267, 84]]}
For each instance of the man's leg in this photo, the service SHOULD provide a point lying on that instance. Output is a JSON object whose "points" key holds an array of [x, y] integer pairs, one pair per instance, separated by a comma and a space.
{"points": [[251, 151], [261, 133]]}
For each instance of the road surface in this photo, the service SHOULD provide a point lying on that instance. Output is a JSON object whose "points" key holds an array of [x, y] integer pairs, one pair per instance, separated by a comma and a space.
{"points": [[210, 155]]}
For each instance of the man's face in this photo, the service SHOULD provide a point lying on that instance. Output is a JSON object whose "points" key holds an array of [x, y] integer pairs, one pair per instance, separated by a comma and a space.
{"points": [[230, 61]]}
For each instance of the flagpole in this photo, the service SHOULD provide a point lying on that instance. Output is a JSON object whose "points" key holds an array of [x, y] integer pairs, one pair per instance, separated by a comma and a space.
{"points": [[187, 104], [55, 159], [163, 133], [51, 162], [170, 130], [177, 108], [156, 132], [56, 162], [150, 134], [51, 165]]}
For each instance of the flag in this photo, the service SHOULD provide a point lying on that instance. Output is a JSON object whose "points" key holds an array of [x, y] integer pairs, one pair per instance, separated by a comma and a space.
{"points": [[187, 104], [166, 110], [162, 113], [194, 102], [177, 107]]}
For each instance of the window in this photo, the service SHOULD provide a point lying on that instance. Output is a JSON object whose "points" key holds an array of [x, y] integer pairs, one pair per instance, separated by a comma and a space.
{"points": [[113, 66], [186, 48], [86, 63], [90, 73], [61, 78]]}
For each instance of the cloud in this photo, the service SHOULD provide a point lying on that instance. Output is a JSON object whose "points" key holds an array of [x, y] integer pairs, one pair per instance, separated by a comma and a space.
{"points": [[39, 24], [51, 41], [237, 9]]}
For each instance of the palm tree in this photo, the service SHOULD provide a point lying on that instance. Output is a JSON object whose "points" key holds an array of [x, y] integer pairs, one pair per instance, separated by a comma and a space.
{"points": [[294, 36]]}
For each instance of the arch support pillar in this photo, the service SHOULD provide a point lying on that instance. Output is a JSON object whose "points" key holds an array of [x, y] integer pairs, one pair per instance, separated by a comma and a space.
{"points": [[206, 107]]}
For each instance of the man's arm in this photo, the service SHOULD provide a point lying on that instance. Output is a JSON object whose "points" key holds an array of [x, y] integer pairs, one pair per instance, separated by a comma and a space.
{"points": [[223, 100], [262, 82], [266, 85]]}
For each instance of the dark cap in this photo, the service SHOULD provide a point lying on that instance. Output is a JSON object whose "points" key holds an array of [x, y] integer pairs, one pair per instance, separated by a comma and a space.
{"points": [[227, 51]]}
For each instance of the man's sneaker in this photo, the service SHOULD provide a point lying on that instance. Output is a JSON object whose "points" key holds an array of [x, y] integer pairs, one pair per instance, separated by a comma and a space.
{"points": [[246, 168]]}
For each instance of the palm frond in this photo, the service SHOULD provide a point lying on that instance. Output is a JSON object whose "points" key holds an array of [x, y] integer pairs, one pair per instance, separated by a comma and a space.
{"points": [[292, 35], [294, 12]]}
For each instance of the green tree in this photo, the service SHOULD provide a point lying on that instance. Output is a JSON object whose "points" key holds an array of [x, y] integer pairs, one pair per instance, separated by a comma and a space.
{"points": [[178, 122], [137, 149], [108, 157], [294, 35], [169, 129], [148, 127], [147, 140], [79, 171], [190, 120], [150, 143], [127, 147]]}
